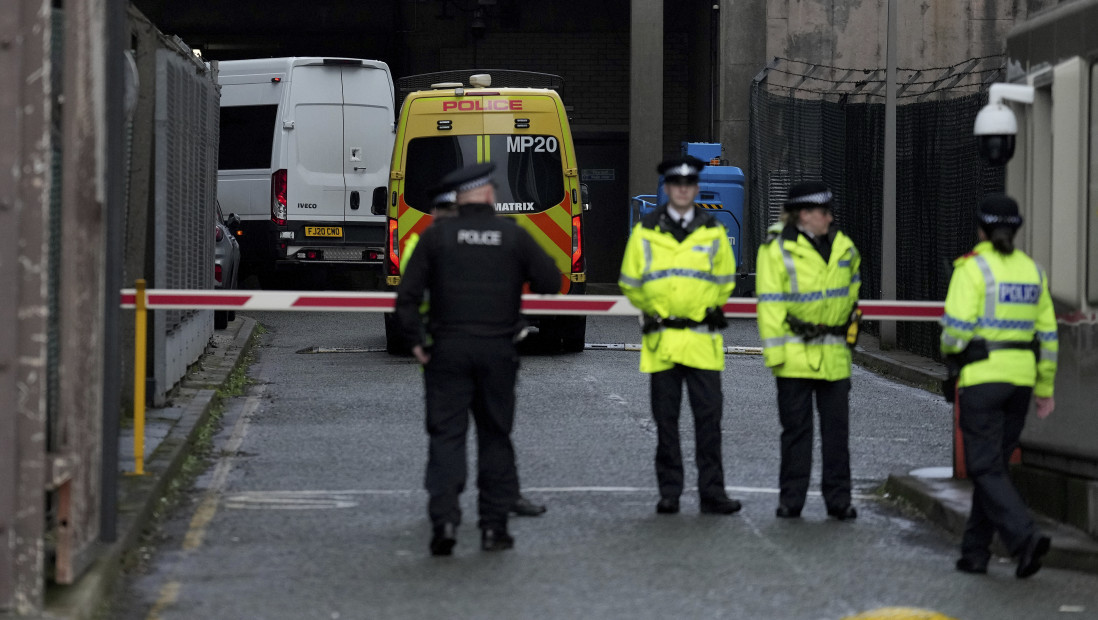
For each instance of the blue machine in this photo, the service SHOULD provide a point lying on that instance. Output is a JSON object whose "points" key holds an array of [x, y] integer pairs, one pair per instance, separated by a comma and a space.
{"points": [[721, 193]]}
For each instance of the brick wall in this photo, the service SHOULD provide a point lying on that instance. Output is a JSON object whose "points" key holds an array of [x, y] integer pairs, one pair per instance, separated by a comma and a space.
{"points": [[595, 68]]}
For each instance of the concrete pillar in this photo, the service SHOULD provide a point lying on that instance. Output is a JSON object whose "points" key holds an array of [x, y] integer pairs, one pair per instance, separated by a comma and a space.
{"points": [[645, 94], [742, 56]]}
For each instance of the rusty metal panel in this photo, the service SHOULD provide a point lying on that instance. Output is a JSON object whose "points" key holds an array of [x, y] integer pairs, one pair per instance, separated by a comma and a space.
{"points": [[24, 183], [81, 301]]}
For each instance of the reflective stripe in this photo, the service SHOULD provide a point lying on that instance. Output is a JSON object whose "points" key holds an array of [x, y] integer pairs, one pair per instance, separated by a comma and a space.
{"points": [[856, 278], [784, 340], [990, 292], [773, 297], [626, 280], [806, 297], [954, 322], [647, 245], [844, 263], [1046, 336], [838, 292], [955, 342], [713, 249], [1048, 356], [1003, 324], [790, 268], [687, 273]]}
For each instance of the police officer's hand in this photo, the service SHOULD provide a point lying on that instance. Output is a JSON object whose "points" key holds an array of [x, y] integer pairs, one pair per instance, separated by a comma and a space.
{"points": [[1045, 405], [421, 355]]}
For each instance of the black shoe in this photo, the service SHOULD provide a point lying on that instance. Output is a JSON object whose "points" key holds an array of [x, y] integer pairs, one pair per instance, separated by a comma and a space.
{"points": [[965, 565], [845, 513], [720, 506], [785, 512], [526, 508], [442, 543], [668, 506], [1029, 561], [496, 539]]}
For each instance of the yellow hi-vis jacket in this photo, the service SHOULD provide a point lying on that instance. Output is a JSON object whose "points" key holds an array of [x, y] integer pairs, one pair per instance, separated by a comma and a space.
{"points": [[1001, 298], [670, 279], [792, 279]]}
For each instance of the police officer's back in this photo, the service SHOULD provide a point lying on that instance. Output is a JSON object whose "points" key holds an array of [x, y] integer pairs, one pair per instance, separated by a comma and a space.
{"points": [[474, 266]]}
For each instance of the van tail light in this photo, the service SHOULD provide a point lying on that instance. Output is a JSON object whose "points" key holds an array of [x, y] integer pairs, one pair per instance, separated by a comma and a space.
{"points": [[577, 244], [217, 274], [392, 260], [218, 235], [278, 197]]}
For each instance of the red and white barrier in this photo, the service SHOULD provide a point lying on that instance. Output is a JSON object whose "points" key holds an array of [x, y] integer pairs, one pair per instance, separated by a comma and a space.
{"points": [[595, 305]]}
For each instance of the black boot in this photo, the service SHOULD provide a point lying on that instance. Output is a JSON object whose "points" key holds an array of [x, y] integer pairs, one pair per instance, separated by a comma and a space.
{"points": [[526, 508], [496, 539], [442, 543]]}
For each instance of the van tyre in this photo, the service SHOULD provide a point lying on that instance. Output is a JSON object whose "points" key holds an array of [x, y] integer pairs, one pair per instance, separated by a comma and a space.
{"points": [[221, 319], [395, 344], [573, 334]]}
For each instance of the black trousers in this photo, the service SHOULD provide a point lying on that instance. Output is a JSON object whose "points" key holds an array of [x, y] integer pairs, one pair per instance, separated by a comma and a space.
{"points": [[706, 401], [476, 375], [795, 413], [992, 417]]}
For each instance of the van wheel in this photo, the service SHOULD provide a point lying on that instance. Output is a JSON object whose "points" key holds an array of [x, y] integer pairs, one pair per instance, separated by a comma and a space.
{"points": [[573, 333], [221, 319], [394, 340]]}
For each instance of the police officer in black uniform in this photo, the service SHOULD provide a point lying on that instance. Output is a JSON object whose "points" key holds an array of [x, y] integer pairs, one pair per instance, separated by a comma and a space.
{"points": [[474, 266]]}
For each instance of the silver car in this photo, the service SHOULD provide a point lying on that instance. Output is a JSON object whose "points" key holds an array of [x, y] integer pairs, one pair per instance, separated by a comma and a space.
{"points": [[226, 260]]}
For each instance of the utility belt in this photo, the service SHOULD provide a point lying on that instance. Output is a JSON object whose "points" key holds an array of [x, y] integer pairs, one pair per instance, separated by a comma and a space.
{"points": [[978, 350], [813, 331], [714, 320]]}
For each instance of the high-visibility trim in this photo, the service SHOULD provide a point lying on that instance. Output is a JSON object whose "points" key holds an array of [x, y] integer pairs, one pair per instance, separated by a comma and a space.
{"points": [[1003, 324], [953, 342], [990, 290], [954, 322], [687, 273], [806, 297], [1048, 355], [826, 339], [647, 246], [790, 268], [844, 263], [1047, 336], [627, 281]]}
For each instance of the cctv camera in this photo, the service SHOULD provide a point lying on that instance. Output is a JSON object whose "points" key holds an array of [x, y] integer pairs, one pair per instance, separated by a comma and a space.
{"points": [[995, 126]]}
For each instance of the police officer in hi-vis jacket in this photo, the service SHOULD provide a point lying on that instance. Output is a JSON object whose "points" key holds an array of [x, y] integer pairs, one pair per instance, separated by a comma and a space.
{"points": [[679, 271], [999, 329], [807, 284]]}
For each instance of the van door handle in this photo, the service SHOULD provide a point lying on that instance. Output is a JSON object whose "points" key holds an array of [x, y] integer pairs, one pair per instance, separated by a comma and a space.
{"points": [[357, 168], [354, 200]]}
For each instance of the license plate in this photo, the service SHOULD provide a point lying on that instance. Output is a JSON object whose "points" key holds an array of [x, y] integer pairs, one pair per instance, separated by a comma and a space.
{"points": [[323, 231]]}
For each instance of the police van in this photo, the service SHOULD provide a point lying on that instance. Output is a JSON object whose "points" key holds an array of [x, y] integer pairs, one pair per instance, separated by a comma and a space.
{"points": [[303, 158], [525, 131]]}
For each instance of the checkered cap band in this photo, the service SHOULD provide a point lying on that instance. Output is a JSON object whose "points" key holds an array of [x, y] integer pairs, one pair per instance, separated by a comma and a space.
{"points": [[445, 197], [1000, 220], [682, 170], [819, 198], [475, 183]]}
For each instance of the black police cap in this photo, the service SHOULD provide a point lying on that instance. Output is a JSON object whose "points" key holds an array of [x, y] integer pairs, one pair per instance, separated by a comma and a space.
{"points": [[467, 178], [442, 196], [808, 195], [681, 168], [997, 210]]}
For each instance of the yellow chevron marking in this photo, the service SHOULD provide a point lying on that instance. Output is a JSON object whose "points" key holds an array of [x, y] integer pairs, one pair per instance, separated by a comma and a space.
{"points": [[709, 205]]}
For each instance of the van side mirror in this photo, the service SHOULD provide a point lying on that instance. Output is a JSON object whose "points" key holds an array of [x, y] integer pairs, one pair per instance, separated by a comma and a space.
{"points": [[378, 205], [585, 197], [233, 221]]}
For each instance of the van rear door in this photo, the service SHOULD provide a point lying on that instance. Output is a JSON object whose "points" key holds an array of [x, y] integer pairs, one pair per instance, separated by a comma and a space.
{"points": [[314, 158], [367, 138]]}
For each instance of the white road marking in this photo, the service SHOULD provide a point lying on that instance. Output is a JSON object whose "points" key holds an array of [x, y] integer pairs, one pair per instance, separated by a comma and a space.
{"points": [[325, 498]]}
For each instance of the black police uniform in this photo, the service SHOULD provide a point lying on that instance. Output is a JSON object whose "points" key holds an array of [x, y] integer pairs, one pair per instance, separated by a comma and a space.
{"points": [[474, 266]]}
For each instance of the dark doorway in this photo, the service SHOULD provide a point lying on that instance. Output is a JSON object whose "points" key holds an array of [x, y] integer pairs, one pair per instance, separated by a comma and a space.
{"points": [[604, 166]]}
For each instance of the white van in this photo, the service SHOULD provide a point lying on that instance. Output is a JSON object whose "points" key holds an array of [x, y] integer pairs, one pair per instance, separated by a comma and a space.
{"points": [[304, 159]]}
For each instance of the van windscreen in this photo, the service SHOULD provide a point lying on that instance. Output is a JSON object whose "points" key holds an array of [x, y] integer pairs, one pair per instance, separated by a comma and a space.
{"points": [[529, 177], [428, 160], [247, 135]]}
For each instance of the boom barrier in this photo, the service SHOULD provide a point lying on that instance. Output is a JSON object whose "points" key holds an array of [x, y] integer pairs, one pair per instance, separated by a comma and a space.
{"points": [[592, 305]]}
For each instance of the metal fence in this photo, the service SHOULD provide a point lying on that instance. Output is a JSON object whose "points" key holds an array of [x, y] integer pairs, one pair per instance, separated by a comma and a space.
{"points": [[184, 191], [814, 122]]}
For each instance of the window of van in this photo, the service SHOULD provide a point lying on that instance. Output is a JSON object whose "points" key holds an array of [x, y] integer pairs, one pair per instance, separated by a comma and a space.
{"points": [[247, 135], [528, 167]]}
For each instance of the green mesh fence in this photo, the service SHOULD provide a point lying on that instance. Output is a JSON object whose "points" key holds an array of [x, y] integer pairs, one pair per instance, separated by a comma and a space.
{"points": [[812, 122]]}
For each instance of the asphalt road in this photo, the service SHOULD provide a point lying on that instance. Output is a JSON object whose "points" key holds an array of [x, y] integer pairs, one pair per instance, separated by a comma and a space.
{"points": [[313, 506]]}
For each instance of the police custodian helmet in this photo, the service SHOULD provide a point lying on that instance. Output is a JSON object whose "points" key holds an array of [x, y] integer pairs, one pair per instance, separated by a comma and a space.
{"points": [[808, 195], [681, 169]]}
